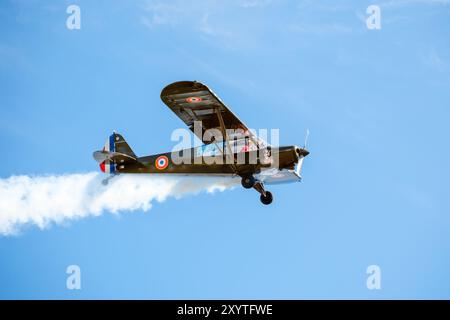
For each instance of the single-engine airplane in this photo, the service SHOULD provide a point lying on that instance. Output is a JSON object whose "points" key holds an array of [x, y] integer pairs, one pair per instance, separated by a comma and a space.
{"points": [[229, 149]]}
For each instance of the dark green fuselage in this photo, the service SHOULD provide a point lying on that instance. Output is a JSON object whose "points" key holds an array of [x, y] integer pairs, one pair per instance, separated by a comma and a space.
{"points": [[194, 163]]}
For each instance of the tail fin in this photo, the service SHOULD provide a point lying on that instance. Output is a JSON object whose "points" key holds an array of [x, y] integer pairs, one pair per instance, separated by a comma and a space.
{"points": [[116, 143], [115, 149]]}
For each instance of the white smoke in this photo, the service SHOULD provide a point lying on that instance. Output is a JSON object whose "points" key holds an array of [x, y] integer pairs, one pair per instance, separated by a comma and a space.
{"points": [[44, 200]]}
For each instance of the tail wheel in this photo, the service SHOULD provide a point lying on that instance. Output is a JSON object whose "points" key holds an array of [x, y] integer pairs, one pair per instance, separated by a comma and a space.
{"points": [[266, 199], [248, 182]]}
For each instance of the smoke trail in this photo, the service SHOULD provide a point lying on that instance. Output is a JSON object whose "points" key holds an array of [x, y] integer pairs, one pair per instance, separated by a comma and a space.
{"points": [[43, 200]]}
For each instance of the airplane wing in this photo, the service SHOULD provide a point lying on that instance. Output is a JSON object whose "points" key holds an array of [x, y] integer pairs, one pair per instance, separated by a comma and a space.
{"points": [[193, 101]]}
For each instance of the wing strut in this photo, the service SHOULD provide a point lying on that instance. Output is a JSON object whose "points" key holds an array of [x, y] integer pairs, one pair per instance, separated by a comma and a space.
{"points": [[224, 134]]}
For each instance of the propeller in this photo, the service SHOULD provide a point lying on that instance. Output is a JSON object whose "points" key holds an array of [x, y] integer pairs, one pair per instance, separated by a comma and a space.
{"points": [[302, 154], [306, 138]]}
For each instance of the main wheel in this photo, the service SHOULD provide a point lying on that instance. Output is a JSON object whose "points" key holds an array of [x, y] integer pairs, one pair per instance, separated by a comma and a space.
{"points": [[248, 181], [267, 199]]}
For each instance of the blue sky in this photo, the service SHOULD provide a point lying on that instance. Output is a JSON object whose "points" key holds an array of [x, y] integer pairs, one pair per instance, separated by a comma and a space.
{"points": [[375, 187]]}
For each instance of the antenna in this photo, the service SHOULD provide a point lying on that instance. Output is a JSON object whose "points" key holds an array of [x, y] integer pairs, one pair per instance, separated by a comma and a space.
{"points": [[306, 138]]}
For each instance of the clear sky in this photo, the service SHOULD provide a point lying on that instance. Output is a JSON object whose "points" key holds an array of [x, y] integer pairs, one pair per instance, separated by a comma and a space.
{"points": [[376, 184]]}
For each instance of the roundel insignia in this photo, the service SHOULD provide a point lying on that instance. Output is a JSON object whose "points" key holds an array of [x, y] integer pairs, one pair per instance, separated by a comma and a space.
{"points": [[161, 162], [194, 99]]}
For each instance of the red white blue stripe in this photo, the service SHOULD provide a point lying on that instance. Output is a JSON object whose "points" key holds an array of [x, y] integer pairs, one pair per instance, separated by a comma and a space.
{"points": [[110, 146]]}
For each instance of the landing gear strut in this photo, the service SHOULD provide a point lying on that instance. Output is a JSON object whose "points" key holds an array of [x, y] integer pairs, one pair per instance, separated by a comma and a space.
{"points": [[266, 196], [248, 181]]}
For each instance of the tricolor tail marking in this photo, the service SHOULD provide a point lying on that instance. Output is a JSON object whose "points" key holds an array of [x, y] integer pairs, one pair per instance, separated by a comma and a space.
{"points": [[110, 146]]}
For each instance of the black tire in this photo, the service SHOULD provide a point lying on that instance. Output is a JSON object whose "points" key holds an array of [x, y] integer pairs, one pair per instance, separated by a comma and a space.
{"points": [[267, 199], [248, 182]]}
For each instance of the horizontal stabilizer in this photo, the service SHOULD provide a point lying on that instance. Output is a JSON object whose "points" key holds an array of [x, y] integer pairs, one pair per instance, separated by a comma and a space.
{"points": [[117, 157]]}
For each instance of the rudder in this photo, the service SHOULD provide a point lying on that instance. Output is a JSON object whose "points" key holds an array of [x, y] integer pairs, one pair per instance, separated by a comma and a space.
{"points": [[114, 144]]}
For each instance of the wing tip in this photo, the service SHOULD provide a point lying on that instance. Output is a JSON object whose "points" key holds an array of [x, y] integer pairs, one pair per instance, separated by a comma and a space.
{"points": [[182, 86]]}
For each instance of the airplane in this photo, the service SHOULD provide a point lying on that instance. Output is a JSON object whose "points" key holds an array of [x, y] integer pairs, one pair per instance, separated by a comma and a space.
{"points": [[229, 147]]}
